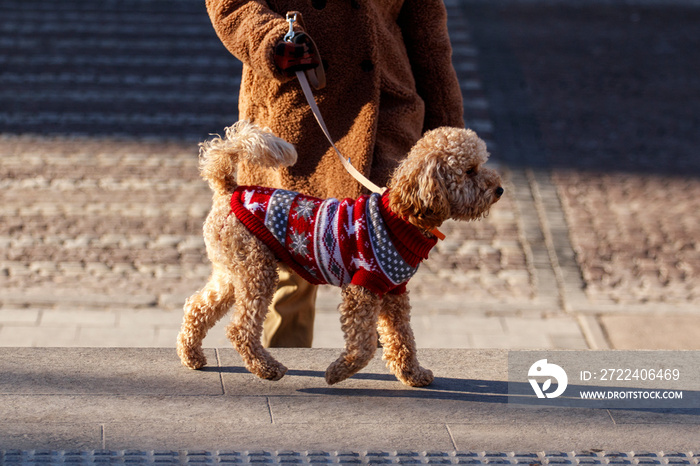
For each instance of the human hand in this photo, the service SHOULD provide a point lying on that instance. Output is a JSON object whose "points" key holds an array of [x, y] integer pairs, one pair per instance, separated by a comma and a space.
{"points": [[299, 55]]}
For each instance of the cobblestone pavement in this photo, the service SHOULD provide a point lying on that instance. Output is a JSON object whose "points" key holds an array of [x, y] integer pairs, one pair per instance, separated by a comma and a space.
{"points": [[102, 105], [622, 134], [598, 100]]}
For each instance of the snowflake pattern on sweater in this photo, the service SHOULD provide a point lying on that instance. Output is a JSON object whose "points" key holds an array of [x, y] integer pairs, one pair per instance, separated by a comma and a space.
{"points": [[327, 241]]}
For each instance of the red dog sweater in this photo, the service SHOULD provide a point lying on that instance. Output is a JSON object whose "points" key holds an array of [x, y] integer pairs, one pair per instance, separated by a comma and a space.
{"points": [[335, 242]]}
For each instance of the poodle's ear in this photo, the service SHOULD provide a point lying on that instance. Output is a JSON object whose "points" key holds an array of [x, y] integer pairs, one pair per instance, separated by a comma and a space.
{"points": [[419, 193]]}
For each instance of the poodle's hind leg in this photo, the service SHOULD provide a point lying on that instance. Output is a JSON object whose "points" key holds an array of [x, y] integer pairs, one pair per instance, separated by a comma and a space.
{"points": [[358, 317], [256, 281], [202, 311], [399, 345]]}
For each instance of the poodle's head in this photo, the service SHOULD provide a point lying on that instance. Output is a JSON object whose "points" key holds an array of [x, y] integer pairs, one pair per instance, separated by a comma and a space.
{"points": [[443, 177]]}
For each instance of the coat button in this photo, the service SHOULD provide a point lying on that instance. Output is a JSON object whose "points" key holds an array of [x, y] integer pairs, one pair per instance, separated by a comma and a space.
{"points": [[319, 4], [367, 65]]}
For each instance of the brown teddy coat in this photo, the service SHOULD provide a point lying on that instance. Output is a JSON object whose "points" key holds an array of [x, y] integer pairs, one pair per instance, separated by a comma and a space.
{"points": [[389, 78]]}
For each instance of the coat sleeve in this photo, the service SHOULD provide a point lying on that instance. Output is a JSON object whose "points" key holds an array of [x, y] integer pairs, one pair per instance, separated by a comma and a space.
{"points": [[249, 30], [424, 27]]}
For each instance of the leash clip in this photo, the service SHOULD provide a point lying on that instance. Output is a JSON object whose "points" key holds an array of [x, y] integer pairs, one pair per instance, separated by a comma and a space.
{"points": [[291, 18]]}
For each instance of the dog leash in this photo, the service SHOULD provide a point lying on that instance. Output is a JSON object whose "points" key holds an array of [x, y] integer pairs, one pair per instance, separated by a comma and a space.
{"points": [[292, 17], [319, 119], [309, 95]]}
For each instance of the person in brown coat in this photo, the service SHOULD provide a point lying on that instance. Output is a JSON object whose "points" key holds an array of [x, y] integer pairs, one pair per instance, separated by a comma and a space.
{"points": [[389, 79]]}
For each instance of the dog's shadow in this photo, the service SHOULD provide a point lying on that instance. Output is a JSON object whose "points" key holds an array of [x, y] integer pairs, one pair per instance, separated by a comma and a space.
{"points": [[446, 388], [442, 388]]}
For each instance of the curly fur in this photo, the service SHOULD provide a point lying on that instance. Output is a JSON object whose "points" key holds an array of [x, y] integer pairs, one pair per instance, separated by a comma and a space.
{"points": [[218, 158], [442, 177]]}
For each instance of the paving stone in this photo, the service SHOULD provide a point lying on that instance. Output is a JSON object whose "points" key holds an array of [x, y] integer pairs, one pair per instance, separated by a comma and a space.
{"points": [[19, 316], [680, 418], [132, 337], [327, 331], [75, 371], [565, 439], [185, 411], [570, 342], [128, 318], [31, 335], [54, 438], [667, 332], [553, 325], [327, 437], [513, 341], [78, 318], [64, 296]]}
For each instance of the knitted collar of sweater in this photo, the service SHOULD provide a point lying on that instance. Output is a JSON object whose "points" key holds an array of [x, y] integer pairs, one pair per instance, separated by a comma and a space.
{"points": [[409, 240]]}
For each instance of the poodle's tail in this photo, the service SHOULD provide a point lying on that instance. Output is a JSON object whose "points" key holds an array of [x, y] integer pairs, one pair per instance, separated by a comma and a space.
{"points": [[218, 158]]}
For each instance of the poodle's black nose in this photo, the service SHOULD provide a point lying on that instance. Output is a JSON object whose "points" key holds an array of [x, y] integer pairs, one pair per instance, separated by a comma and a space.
{"points": [[499, 191]]}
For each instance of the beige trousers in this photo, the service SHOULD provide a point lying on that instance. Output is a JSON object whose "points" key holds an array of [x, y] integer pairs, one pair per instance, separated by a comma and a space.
{"points": [[290, 320]]}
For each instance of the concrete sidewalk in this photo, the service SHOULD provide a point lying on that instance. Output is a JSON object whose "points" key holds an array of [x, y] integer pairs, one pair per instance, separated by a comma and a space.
{"points": [[142, 399]]}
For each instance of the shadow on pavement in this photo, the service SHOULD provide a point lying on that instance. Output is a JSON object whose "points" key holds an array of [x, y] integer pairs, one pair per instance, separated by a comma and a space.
{"points": [[602, 87], [135, 69]]}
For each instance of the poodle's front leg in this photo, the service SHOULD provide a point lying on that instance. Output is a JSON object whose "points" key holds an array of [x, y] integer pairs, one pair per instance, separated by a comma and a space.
{"points": [[202, 310], [398, 342], [358, 317]]}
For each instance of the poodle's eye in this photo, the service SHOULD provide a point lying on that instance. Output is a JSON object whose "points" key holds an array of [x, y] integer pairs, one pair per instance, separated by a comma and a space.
{"points": [[471, 171]]}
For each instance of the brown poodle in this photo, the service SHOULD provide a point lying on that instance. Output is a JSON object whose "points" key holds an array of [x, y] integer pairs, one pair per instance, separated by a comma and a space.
{"points": [[442, 177]]}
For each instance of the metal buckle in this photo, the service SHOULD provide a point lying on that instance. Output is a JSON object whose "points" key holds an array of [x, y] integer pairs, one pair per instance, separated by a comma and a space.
{"points": [[291, 18]]}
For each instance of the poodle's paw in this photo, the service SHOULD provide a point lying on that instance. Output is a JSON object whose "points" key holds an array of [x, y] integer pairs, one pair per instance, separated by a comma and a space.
{"points": [[340, 370], [416, 378], [270, 370], [337, 372], [191, 357]]}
